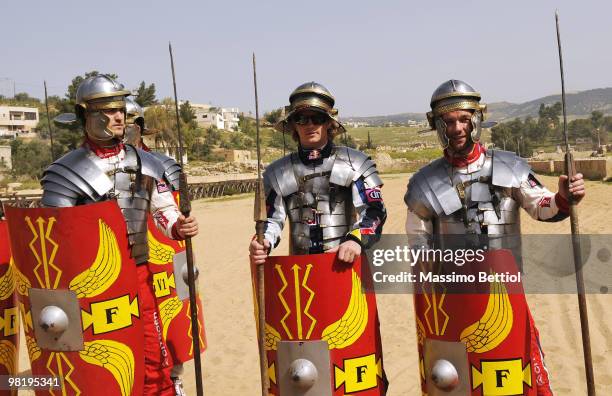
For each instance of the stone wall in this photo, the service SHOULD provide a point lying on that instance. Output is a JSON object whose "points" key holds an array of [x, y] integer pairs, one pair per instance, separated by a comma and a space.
{"points": [[594, 169]]}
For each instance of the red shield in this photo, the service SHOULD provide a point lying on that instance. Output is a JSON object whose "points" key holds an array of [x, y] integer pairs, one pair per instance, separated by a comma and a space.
{"points": [[9, 329], [81, 255], [174, 311], [493, 326], [314, 297]]}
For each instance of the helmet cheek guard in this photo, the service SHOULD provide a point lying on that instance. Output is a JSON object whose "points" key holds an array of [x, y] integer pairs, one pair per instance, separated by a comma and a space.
{"points": [[476, 126], [94, 95], [96, 126], [441, 130]]}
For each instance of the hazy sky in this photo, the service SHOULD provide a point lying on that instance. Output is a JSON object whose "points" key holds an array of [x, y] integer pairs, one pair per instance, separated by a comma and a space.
{"points": [[377, 58]]}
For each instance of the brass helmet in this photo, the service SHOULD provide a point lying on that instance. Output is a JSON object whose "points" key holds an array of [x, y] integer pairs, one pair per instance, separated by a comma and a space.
{"points": [[455, 95], [100, 92], [95, 94], [311, 96]]}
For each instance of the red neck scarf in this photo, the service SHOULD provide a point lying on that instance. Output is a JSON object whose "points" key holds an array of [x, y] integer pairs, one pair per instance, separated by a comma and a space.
{"points": [[103, 152], [465, 160]]}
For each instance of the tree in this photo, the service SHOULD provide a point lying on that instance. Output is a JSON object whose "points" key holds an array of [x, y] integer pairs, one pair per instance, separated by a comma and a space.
{"points": [[501, 135], [273, 116], [280, 140], [597, 119], [247, 125], [29, 158], [213, 136], [515, 136], [346, 140], [579, 128], [146, 95], [370, 145], [549, 119], [24, 97], [187, 113]]}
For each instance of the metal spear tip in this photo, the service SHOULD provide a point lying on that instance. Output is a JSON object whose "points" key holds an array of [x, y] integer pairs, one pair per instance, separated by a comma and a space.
{"points": [[65, 119]]}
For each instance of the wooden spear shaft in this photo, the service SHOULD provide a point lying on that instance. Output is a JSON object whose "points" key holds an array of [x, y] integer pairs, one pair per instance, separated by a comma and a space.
{"points": [[260, 217], [571, 171], [185, 208]]}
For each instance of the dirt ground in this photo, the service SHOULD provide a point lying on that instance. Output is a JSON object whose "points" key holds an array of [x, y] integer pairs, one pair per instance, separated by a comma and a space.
{"points": [[231, 362]]}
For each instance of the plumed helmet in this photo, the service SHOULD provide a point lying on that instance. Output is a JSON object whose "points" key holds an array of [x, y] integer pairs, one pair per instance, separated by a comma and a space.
{"points": [[98, 93], [311, 96], [455, 95]]}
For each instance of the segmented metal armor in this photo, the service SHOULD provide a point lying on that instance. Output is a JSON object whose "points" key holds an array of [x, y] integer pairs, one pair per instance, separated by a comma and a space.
{"points": [[481, 194], [81, 177], [475, 194], [132, 176], [322, 200], [172, 170]]}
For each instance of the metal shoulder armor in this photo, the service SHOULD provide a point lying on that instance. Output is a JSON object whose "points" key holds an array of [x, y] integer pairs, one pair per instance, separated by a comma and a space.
{"points": [[508, 169], [74, 177], [279, 176], [350, 165], [419, 198], [150, 165], [172, 169]]}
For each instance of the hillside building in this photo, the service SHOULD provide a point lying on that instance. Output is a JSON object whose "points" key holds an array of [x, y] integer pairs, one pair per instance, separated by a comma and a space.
{"points": [[17, 120], [219, 117]]}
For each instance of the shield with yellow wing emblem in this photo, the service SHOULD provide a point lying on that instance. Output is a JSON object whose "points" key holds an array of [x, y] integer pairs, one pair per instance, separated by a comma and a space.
{"points": [[479, 328], [77, 298], [322, 332], [9, 319], [168, 264]]}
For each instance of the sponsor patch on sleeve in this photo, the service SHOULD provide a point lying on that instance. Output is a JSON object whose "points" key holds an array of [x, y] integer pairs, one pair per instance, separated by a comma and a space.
{"points": [[161, 219], [373, 194], [369, 230], [162, 187], [533, 182], [545, 202]]}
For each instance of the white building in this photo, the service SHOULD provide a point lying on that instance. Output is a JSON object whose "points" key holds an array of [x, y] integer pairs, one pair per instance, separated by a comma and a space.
{"points": [[230, 118], [220, 117], [356, 124], [16, 120]]}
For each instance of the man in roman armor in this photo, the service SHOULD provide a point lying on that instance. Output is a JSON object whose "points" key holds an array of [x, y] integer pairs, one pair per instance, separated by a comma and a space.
{"points": [[332, 197], [473, 191], [322, 186], [104, 168]]}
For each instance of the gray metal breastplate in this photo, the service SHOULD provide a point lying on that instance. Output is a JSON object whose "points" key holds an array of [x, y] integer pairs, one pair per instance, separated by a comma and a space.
{"points": [[474, 203], [320, 213], [485, 208], [82, 179], [132, 190]]}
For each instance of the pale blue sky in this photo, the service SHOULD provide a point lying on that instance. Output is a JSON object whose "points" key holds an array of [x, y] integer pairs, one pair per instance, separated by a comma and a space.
{"points": [[377, 57]]}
